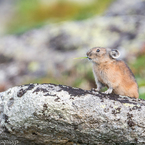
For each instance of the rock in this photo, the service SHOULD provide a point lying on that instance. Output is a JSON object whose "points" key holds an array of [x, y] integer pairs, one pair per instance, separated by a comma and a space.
{"points": [[56, 114], [130, 7]]}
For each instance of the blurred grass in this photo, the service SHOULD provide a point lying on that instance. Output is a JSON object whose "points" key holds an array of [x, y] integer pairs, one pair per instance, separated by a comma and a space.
{"points": [[138, 69], [78, 76], [35, 13]]}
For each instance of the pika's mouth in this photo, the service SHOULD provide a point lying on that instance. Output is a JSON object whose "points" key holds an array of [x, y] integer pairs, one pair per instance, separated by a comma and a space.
{"points": [[89, 58]]}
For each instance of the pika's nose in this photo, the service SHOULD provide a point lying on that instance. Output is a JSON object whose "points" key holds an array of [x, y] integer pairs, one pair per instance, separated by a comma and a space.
{"points": [[88, 53]]}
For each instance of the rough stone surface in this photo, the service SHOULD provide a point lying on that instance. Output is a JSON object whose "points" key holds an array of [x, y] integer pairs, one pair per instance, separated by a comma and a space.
{"points": [[130, 7], [56, 114]]}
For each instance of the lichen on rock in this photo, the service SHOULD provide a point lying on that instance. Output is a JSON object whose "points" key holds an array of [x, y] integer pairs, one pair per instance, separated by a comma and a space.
{"points": [[48, 113]]}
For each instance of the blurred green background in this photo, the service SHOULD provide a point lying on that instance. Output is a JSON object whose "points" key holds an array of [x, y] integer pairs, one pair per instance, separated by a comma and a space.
{"points": [[26, 15], [36, 13]]}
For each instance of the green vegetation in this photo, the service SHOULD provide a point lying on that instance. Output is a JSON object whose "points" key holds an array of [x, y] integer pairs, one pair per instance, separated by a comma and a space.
{"points": [[80, 76], [35, 13], [138, 68], [80, 57]]}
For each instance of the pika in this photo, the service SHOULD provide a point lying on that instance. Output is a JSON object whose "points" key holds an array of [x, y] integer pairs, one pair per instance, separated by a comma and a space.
{"points": [[109, 71]]}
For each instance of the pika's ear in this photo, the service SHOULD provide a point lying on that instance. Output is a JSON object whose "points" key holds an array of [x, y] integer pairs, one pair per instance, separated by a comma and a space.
{"points": [[114, 53]]}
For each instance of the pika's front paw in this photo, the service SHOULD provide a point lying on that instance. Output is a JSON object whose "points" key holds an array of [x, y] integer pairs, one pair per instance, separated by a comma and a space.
{"points": [[95, 89], [109, 91]]}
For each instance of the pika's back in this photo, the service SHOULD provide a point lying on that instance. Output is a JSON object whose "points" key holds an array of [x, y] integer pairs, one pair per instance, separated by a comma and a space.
{"points": [[128, 85], [124, 69]]}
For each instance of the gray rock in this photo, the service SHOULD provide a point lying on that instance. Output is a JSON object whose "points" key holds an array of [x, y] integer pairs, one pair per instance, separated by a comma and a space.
{"points": [[56, 114], [130, 7]]}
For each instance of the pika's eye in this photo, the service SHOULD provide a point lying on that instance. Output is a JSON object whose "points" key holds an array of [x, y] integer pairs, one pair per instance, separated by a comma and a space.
{"points": [[98, 50]]}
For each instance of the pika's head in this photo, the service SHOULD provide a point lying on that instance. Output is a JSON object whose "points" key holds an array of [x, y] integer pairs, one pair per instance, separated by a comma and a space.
{"points": [[100, 54]]}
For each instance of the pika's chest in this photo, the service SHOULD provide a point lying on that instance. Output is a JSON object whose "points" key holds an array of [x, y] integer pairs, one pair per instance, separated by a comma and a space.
{"points": [[101, 73]]}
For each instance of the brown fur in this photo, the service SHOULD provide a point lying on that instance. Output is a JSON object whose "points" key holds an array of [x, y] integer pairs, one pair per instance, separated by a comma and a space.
{"points": [[113, 73]]}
